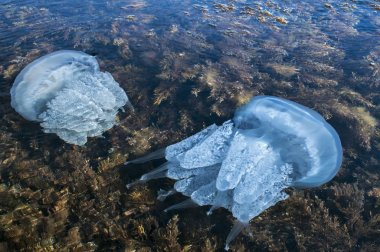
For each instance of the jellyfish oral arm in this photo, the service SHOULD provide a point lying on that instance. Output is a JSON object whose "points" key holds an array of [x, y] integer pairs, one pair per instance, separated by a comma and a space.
{"points": [[235, 231]]}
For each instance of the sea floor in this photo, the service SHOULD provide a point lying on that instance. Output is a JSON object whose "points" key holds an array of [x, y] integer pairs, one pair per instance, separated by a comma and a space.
{"points": [[186, 65]]}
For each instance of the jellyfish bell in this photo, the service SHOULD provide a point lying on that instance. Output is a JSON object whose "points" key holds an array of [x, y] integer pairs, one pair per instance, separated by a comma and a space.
{"points": [[67, 93], [42, 78], [246, 164], [298, 129]]}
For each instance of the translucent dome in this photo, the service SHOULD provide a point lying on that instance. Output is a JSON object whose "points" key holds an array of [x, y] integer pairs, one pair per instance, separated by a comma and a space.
{"points": [[303, 137]]}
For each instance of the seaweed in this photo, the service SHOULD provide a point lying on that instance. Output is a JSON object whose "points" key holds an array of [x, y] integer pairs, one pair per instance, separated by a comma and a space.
{"points": [[185, 66]]}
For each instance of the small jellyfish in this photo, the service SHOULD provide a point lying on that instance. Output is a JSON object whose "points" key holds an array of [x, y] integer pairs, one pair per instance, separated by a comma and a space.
{"points": [[67, 93], [245, 164]]}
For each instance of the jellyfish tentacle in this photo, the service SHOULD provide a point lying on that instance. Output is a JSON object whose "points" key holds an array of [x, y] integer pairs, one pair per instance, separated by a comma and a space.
{"points": [[130, 106], [130, 185], [158, 154], [211, 210], [160, 172], [236, 229], [184, 204], [163, 194]]}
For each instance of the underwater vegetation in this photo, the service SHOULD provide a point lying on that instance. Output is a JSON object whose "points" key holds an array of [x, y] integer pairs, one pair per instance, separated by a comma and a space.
{"points": [[186, 65], [66, 92], [246, 164]]}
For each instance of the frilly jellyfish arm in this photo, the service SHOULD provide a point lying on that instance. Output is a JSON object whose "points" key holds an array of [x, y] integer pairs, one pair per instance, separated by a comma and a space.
{"points": [[171, 152], [245, 164], [68, 94]]}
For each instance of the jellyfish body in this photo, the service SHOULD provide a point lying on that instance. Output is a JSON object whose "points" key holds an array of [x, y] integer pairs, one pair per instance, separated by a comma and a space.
{"points": [[67, 93], [245, 164]]}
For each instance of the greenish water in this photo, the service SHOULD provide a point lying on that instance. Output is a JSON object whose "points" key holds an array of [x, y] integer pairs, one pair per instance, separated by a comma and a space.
{"points": [[186, 65]]}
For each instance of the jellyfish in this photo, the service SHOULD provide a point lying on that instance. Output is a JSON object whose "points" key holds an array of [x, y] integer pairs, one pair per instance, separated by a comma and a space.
{"points": [[67, 93], [245, 164]]}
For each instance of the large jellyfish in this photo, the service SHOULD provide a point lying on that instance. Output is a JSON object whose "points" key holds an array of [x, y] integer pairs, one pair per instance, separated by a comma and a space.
{"points": [[66, 92], [245, 164]]}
